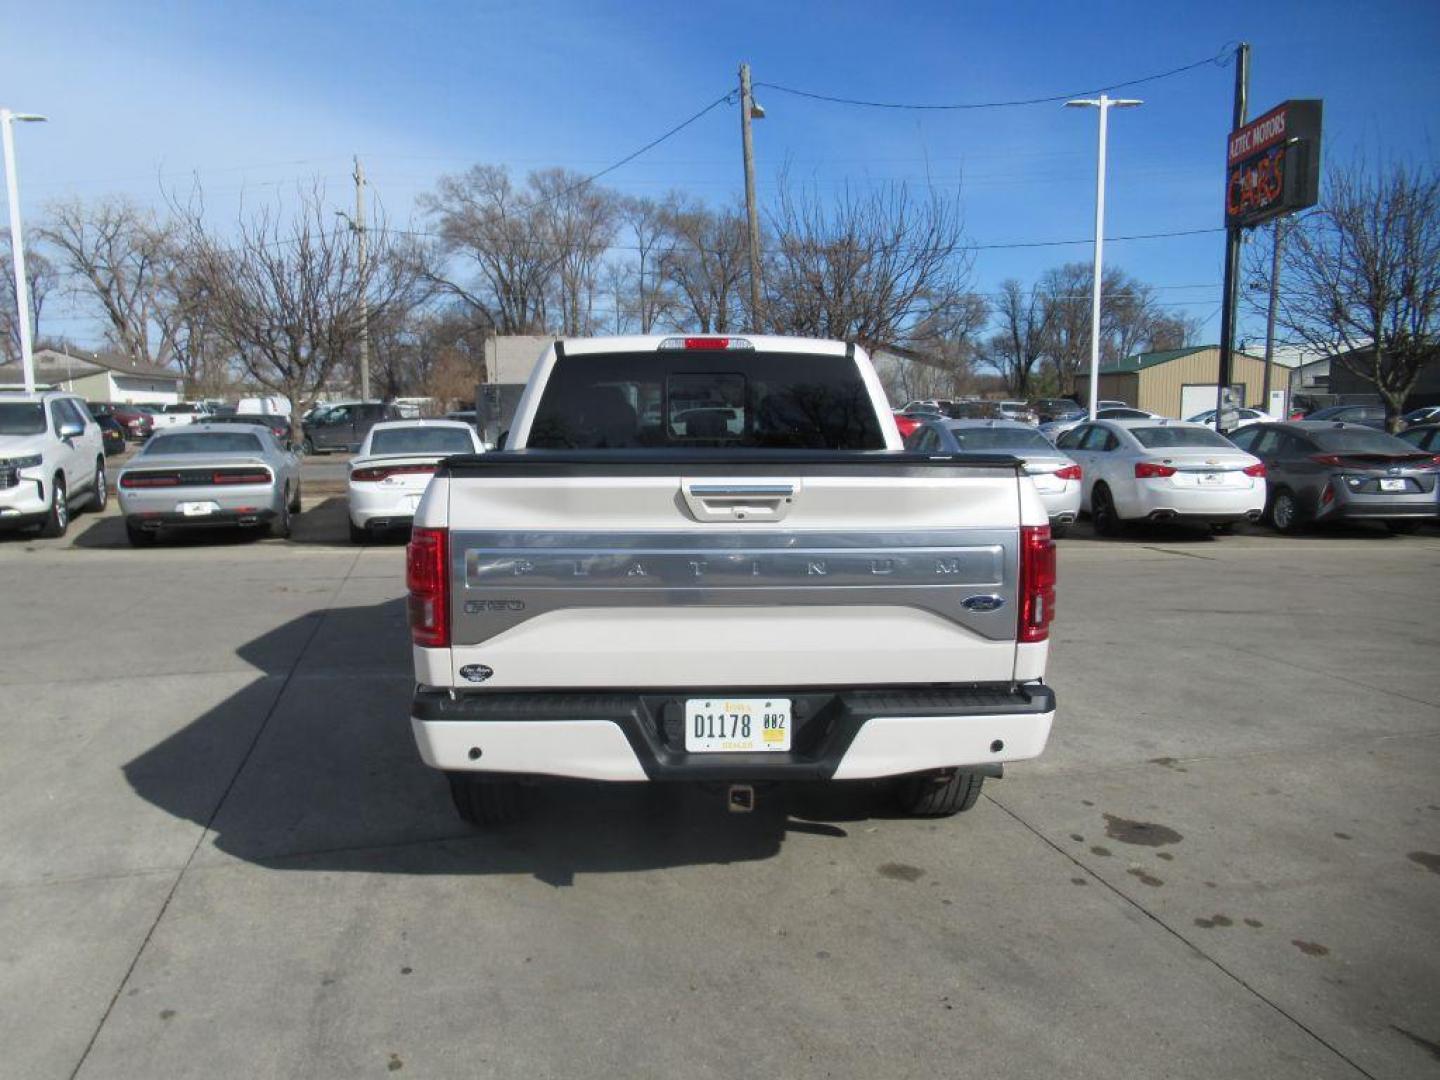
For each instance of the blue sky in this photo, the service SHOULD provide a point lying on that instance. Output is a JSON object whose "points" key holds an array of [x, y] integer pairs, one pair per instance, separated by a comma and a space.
{"points": [[254, 96]]}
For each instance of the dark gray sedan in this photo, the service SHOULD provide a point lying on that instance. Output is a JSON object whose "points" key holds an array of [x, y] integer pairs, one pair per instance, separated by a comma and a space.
{"points": [[1054, 472], [1335, 471]]}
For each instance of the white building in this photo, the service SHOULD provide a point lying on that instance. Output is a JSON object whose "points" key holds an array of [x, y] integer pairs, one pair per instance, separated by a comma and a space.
{"points": [[97, 378]]}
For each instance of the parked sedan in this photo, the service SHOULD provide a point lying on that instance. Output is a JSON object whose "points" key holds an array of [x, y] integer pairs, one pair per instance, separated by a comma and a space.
{"points": [[1423, 437], [1427, 414], [205, 475], [1103, 411], [1055, 475], [1372, 416], [389, 474], [277, 424], [135, 421], [1164, 470], [1243, 418], [112, 434], [1331, 471]]}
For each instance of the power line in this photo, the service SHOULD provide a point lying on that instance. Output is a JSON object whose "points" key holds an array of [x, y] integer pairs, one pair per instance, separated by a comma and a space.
{"points": [[1219, 60]]}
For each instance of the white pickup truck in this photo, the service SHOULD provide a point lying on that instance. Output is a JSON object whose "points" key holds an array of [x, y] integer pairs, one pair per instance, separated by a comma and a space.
{"points": [[709, 559]]}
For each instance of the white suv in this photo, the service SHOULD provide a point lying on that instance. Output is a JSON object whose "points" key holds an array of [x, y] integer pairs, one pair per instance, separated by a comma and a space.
{"points": [[51, 454]]}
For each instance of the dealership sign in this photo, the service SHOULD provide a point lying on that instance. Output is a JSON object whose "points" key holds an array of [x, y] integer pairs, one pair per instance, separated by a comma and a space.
{"points": [[1272, 165]]}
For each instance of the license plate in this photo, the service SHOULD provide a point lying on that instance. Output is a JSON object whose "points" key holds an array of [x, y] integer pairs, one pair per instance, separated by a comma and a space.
{"points": [[1212, 479], [1393, 485], [197, 509], [1047, 482], [718, 725]]}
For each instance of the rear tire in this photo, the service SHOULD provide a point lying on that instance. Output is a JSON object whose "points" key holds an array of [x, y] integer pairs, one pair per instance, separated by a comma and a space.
{"points": [[307, 447], [359, 535], [101, 495], [139, 537], [484, 800], [1402, 526], [295, 501], [1102, 512], [1285, 514], [280, 524], [938, 794], [57, 518]]}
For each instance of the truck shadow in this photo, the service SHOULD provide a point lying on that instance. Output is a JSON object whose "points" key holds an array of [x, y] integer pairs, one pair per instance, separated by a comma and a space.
{"points": [[312, 766]]}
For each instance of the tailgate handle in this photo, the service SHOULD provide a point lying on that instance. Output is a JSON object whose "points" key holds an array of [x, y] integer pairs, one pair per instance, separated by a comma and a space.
{"points": [[739, 500]]}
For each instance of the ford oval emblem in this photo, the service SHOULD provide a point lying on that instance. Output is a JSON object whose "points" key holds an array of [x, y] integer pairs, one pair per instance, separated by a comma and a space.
{"points": [[984, 602], [476, 672]]}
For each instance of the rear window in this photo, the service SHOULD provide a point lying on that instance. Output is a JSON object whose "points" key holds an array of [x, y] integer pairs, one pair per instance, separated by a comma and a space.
{"points": [[204, 442], [1155, 437], [21, 418], [764, 400], [1122, 414], [1358, 441], [422, 441], [1000, 439]]}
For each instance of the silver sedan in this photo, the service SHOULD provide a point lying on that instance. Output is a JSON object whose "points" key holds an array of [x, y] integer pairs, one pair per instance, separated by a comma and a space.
{"points": [[1055, 474], [207, 475]]}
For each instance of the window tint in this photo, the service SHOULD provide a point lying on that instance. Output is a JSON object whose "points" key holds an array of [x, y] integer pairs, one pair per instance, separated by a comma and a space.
{"points": [[206, 442], [1415, 438], [21, 418], [1070, 440], [1358, 441], [1265, 446], [1124, 414], [1155, 437], [1252, 437], [984, 439], [418, 440], [768, 400], [1097, 438]]}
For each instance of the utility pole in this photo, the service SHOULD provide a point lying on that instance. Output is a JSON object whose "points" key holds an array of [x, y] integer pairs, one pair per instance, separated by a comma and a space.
{"points": [[747, 109], [1232, 246], [1270, 316], [17, 244], [364, 281]]}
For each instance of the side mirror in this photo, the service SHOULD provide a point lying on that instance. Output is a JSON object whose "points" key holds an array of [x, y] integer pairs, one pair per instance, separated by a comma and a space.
{"points": [[70, 430]]}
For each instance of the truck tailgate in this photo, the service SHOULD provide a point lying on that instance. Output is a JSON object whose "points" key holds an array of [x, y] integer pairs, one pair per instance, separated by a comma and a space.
{"points": [[761, 569]]}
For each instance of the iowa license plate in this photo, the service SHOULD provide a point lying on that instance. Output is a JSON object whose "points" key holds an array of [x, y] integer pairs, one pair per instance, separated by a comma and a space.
{"points": [[736, 725]]}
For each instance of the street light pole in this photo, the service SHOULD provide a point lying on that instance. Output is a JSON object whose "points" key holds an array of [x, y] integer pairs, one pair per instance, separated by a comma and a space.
{"points": [[1279, 248], [1104, 104], [364, 283], [17, 244], [748, 111]]}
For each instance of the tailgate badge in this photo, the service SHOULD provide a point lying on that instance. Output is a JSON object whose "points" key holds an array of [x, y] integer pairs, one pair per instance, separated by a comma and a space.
{"points": [[983, 602], [476, 672]]}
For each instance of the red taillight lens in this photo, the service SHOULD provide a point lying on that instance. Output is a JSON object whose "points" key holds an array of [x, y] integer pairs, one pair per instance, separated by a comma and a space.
{"points": [[382, 472], [906, 424], [1258, 469], [1037, 582], [707, 343], [1326, 459], [426, 566], [1328, 495], [1069, 472], [241, 476], [130, 480], [1146, 469]]}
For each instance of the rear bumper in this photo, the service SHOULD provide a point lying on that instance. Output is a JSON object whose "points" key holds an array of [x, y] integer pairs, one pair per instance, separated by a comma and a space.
{"points": [[221, 519], [839, 735], [1424, 504], [376, 508], [1158, 500]]}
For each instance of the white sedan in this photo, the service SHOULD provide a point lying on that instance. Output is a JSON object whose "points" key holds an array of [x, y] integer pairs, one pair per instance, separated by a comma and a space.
{"points": [[389, 474], [1243, 418], [1163, 470]]}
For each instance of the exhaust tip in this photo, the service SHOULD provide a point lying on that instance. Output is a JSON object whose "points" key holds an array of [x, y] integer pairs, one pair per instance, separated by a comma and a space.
{"points": [[740, 799]]}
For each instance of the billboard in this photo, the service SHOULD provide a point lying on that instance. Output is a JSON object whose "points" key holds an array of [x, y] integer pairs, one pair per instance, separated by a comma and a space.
{"points": [[1272, 164]]}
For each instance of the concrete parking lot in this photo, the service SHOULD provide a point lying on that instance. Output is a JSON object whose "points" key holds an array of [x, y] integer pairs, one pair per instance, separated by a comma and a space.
{"points": [[223, 858]]}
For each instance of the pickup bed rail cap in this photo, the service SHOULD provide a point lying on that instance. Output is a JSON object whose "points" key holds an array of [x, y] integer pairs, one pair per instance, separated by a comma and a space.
{"points": [[584, 346], [664, 462]]}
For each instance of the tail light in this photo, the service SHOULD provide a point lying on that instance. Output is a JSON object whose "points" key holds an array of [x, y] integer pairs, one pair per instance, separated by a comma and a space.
{"points": [[131, 480], [427, 579], [1258, 469], [1147, 469], [382, 472], [1037, 582], [1328, 495], [705, 343], [241, 476], [1069, 472], [906, 424], [1326, 459]]}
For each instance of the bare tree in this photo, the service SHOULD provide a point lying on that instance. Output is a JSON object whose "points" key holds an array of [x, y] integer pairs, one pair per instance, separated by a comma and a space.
{"points": [[706, 266], [1362, 278], [283, 290], [117, 255], [869, 268], [498, 234], [40, 276], [1022, 336], [577, 219], [651, 297]]}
